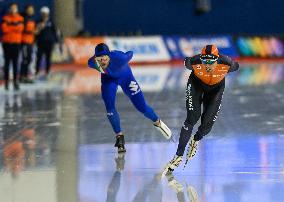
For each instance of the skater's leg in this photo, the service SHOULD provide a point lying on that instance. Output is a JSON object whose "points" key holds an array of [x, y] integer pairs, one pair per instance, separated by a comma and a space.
{"points": [[211, 104], [193, 107], [109, 89], [132, 89]]}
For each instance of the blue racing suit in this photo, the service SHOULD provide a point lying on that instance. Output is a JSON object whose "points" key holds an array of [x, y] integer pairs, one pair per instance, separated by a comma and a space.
{"points": [[119, 73]]}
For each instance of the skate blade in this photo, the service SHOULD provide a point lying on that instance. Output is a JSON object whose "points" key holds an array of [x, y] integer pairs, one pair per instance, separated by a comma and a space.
{"points": [[192, 194], [166, 171], [165, 133], [164, 129], [122, 150], [185, 164]]}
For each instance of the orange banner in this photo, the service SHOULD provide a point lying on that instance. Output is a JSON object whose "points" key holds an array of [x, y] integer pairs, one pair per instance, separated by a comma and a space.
{"points": [[82, 48], [84, 81]]}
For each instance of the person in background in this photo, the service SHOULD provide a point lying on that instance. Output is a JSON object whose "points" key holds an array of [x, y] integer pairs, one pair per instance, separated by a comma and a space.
{"points": [[28, 39], [18, 135], [45, 39], [12, 28]]}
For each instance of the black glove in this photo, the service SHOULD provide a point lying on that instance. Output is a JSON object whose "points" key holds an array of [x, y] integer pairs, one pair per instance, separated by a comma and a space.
{"points": [[187, 63], [234, 67]]}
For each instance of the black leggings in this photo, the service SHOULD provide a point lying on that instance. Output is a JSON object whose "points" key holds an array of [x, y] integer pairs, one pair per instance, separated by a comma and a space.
{"points": [[44, 50], [11, 54], [198, 93], [27, 50]]}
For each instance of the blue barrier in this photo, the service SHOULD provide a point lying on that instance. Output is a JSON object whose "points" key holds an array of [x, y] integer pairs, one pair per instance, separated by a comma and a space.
{"points": [[182, 46]]}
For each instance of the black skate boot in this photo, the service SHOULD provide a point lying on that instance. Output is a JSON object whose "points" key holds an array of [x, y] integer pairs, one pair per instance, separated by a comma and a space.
{"points": [[120, 143], [172, 165]]}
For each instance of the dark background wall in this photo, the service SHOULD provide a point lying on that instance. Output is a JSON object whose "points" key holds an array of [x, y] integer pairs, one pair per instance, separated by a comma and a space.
{"points": [[179, 17], [4, 4], [108, 17]]}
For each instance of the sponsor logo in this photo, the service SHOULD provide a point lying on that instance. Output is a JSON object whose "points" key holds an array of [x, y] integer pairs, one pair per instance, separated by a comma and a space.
{"points": [[185, 128], [218, 75], [179, 47], [216, 116], [134, 87], [223, 69], [220, 42], [185, 46], [188, 97], [81, 48], [146, 48]]}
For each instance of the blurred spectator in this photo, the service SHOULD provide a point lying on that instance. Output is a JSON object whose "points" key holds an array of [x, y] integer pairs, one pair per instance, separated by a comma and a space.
{"points": [[203, 6], [27, 43], [19, 148], [14, 155], [46, 38], [12, 27], [19, 137]]}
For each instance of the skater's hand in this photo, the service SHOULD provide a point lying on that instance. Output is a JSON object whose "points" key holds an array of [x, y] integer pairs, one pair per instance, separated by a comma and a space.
{"points": [[187, 63], [103, 61], [94, 64]]}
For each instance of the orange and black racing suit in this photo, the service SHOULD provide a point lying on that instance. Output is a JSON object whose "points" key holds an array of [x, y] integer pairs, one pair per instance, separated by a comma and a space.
{"points": [[12, 27], [203, 88]]}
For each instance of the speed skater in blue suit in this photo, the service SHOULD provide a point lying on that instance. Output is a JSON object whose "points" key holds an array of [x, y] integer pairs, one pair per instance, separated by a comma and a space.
{"points": [[115, 71]]}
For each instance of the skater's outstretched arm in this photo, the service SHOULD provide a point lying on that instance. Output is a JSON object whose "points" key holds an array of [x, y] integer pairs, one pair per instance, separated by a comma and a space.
{"points": [[187, 63], [92, 63], [120, 58], [234, 66]]}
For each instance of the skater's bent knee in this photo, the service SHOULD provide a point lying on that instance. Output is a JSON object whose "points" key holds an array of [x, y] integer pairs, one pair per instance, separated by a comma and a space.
{"points": [[204, 131], [191, 121], [188, 124], [201, 133]]}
